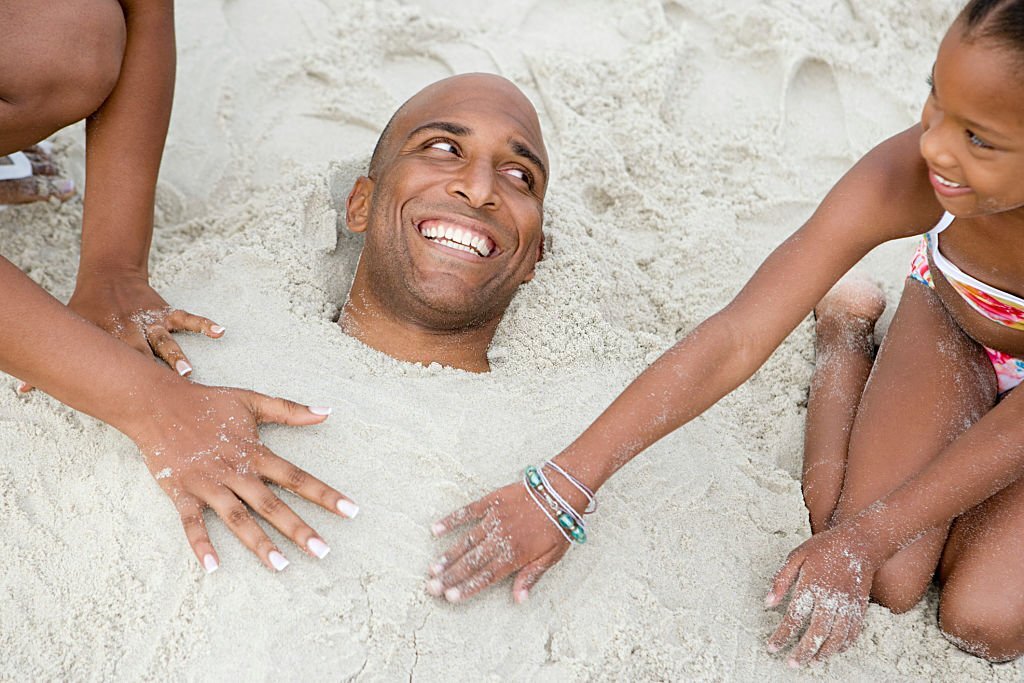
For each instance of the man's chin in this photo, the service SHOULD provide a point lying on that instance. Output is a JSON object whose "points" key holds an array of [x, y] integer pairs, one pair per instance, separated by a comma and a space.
{"points": [[454, 309]]}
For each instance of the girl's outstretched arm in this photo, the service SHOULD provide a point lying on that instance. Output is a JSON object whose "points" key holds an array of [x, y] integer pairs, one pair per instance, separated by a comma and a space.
{"points": [[885, 196], [201, 443]]}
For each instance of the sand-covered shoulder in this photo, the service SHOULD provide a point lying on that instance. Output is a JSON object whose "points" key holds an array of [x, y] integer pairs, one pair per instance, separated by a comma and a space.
{"points": [[687, 137]]}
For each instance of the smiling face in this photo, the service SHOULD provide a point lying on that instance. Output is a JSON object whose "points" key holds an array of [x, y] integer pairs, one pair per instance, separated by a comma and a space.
{"points": [[973, 121], [454, 211]]}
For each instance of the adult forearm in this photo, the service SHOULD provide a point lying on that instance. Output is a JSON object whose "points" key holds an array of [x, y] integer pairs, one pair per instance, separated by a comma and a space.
{"points": [[103, 377], [125, 141]]}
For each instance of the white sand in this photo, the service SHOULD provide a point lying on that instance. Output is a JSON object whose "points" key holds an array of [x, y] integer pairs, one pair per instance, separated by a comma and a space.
{"points": [[689, 137]]}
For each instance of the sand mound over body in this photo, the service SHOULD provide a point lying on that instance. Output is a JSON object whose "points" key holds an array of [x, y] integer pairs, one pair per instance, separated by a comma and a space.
{"points": [[688, 140]]}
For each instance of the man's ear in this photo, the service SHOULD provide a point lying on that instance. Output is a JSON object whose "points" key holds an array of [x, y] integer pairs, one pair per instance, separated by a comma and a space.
{"points": [[540, 257], [357, 206]]}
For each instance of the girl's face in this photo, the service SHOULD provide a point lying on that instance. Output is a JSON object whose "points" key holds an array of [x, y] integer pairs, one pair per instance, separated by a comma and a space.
{"points": [[973, 121]]}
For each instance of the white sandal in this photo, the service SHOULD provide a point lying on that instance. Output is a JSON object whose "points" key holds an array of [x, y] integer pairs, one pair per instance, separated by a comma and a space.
{"points": [[15, 167]]}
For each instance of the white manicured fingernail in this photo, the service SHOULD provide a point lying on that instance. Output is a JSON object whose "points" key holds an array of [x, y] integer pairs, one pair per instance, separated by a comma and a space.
{"points": [[320, 410], [277, 560], [210, 563], [436, 569], [318, 548], [437, 529], [435, 587], [183, 367], [452, 595], [521, 596], [348, 508], [216, 329]]}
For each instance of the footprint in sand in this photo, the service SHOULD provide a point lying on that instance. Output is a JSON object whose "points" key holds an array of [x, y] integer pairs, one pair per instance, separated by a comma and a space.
{"points": [[676, 15], [813, 117]]}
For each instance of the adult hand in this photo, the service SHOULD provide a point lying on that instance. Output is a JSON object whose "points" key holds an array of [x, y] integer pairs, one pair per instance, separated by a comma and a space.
{"points": [[132, 311], [202, 446], [510, 534], [832, 571]]}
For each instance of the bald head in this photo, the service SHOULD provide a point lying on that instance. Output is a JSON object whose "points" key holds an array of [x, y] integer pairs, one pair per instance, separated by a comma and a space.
{"points": [[453, 214], [448, 93]]}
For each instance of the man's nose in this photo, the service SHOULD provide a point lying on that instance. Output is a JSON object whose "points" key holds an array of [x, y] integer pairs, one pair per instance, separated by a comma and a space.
{"points": [[476, 184]]}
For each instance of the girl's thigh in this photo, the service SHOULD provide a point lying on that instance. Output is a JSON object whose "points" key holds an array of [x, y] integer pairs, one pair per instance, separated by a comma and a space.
{"points": [[982, 575], [58, 62], [930, 382]]}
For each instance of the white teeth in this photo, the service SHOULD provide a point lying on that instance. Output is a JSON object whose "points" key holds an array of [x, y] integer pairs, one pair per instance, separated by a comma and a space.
{"points": [[458, 238], [946, 182]]}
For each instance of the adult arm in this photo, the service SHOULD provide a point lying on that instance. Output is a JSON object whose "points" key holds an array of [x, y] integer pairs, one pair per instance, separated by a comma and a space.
{"points": [[124, 145], [201, 443], [884, 196]]}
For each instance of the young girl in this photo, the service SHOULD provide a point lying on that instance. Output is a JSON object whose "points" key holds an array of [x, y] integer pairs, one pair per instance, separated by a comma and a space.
{"points": [[936, 435], [112, 62]]}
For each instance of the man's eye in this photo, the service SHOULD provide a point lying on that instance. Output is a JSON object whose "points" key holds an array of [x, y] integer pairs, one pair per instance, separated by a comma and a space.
{"points": [[444, 146], [519, 173], [976, 141]]}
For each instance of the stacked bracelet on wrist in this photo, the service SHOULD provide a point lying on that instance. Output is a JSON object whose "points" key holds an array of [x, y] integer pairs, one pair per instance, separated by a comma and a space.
{"points": [[565, 518]]}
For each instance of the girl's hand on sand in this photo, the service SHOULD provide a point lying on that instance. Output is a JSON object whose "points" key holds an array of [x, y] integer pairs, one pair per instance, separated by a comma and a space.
{"points": [[510, 534], [129, 309], [202, 446], [833, 571]]}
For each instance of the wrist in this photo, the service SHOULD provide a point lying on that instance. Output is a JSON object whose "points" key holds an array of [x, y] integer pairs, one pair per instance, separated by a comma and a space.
{"points": [[103, 273], [883, 537], [149, 400]]}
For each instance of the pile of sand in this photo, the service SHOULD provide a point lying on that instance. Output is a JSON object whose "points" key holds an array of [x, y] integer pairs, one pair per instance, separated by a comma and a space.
{"points": [[688, 138]]}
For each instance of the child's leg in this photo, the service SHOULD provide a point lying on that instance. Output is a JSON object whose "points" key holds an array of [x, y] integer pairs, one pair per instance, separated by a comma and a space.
{"points": [[982, 575], [929, 383], [844, 353], [60, 61]]}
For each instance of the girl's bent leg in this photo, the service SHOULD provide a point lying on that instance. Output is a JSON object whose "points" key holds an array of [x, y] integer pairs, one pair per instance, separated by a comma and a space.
{"points": [[982, 574], [929, 383], [59, 61], [844, 353]]}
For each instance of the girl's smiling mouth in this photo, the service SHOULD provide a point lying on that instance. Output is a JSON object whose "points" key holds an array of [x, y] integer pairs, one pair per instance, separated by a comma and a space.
{"points": [[946, 187]]}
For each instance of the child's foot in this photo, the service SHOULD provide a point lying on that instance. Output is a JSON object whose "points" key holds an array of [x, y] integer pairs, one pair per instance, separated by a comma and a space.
{"points": [[848, 312], [45, 181]]}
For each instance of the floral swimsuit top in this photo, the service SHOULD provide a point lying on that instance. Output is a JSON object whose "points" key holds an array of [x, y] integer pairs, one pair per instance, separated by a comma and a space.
{"points": [[995, 304]]}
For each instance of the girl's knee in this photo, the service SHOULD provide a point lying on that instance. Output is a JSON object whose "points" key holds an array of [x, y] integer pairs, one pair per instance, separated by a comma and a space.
{"points": [[901, 583], [985, 623], [896, 598]]}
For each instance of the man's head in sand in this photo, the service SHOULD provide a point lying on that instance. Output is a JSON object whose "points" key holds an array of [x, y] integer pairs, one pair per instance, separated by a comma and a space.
{"points": [[452, 212]]}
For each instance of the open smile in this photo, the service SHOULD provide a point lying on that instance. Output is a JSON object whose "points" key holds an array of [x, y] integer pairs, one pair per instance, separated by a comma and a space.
{"points": [[945, 186], [458, 236]]}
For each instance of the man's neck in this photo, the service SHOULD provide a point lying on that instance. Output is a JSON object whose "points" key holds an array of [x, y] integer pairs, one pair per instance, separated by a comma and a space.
{"points": [[365, 319]]}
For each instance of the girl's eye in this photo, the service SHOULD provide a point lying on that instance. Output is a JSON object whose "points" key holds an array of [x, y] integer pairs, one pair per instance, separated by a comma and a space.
{"points": [[444, 146], [976, 141], [930, 82]]}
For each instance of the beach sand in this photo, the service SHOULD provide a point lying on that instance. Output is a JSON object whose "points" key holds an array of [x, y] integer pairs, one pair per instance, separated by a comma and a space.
{"points": [[688, 138]]}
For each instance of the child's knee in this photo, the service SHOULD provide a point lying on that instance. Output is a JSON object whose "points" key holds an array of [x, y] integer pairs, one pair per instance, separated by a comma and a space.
{"points": [[899, 586], [984, 622], [72, 67]]}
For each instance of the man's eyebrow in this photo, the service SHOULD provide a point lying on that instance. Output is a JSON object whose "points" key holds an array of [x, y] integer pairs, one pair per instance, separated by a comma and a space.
{"points": [[446, 126], [527, 153], [517, 147]]}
